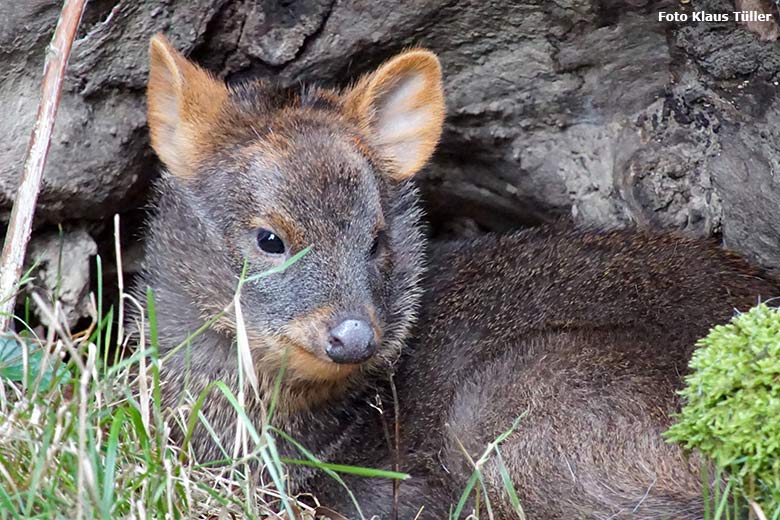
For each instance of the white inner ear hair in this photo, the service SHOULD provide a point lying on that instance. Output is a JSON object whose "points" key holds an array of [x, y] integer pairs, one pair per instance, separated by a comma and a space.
{"points": [[399, 119]]}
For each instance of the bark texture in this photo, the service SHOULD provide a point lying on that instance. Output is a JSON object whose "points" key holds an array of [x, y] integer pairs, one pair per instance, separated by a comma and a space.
{"points": [[591, 109]]}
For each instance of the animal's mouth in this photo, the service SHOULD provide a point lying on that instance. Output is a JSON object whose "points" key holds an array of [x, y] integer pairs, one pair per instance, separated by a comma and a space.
{"points": [[334, 338], [303, 363]]}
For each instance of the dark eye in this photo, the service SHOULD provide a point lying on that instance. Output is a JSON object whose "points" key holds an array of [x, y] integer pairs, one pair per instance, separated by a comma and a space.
{"points": [[269, 243], [376, 246]]}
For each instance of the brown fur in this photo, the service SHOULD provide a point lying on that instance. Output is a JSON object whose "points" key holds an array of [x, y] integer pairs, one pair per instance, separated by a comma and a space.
{"points": [[238, 160], [587, 333]]}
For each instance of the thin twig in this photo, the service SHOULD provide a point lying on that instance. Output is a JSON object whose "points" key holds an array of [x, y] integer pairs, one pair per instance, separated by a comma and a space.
{"points": [[20, 225], [379, 407], [396, 448]]}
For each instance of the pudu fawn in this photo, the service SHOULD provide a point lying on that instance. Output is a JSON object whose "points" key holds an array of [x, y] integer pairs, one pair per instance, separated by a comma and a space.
{"points": [[585, 334]]}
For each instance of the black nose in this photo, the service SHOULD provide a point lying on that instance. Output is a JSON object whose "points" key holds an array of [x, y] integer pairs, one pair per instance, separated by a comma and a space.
{"points": [[351, 341]]}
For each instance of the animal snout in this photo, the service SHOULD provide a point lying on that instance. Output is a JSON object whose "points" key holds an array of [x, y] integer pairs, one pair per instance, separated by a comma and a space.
{"points": [[351, 341]]}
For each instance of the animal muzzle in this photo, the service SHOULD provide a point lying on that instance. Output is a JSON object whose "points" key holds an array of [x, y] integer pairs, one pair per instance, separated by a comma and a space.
{"points": [[351, 341]]}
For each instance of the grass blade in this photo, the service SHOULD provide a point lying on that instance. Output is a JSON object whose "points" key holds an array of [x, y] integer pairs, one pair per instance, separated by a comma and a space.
{"points": [[723, 501], [506, 480], [280, 268], [110, 464], [466, 493], [349, 470], [332, 474]]}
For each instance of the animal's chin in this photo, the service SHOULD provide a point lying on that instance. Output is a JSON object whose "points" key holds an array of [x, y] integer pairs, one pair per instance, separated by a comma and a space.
{"points": [[303, 364]]}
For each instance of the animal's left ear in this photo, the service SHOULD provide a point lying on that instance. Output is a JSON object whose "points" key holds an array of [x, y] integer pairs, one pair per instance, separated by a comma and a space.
{"points": [[401, 104]]}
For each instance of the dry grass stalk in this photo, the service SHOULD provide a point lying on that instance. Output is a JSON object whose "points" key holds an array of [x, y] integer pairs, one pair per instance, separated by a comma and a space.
{"points": [[20, 224]]}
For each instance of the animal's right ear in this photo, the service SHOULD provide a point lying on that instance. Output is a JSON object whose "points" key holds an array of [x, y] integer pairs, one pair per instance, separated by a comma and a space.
{"points": [[183, 102]]}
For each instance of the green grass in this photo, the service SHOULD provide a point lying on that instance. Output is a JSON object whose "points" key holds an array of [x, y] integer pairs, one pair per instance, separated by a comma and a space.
{"points": [[78, 440], [481, 493], [83, 433]]}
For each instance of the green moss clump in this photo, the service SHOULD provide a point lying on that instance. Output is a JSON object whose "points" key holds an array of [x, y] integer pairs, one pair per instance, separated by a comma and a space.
{"points": [[732, 403]]}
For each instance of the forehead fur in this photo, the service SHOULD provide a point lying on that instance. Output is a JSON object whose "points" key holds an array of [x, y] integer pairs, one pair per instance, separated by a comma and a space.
{"points": [[262, 117], [293, 156], [320, 176]]}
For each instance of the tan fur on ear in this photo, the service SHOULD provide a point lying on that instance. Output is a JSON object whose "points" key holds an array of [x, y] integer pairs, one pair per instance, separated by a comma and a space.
{"points": [[183, 102], [402, 106]]}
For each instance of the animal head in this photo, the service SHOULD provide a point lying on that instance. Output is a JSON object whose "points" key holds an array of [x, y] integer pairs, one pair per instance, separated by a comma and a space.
{"points": [[256, 174]]}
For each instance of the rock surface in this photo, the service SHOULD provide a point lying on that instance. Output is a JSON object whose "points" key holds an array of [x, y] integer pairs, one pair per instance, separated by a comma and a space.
{"points": [[585, 108], [59, 264]]}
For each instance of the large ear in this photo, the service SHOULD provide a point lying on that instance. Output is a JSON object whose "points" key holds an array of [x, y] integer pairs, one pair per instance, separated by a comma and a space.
{"points": [[402, 106], [183, 101]]}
